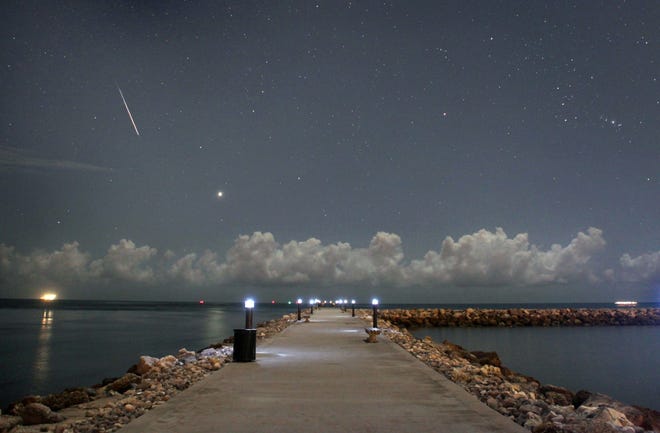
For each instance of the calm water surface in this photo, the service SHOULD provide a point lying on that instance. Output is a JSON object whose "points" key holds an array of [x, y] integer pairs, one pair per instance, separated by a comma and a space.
{"points": [[623, 362], [75, 343], [78, 343]]}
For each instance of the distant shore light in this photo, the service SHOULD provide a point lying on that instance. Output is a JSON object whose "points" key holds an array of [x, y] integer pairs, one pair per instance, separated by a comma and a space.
{"points": [[48, 297]]}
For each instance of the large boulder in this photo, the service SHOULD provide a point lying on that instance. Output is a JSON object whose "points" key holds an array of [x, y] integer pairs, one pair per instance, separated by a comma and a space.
{"points": [[558, 395], [37, 413], [67, 398], [487, 358], [456, 350], [124, 383], [145, 364], [612, 417], [167, 362], [646, 418]]}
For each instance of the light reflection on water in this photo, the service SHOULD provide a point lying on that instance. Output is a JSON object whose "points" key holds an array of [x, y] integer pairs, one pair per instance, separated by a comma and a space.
{"points": [[93, 340], [41, 364], [215, 326]]}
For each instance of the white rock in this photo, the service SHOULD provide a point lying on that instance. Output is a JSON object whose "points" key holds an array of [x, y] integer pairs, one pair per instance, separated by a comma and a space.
{"points": [[613, 417]]}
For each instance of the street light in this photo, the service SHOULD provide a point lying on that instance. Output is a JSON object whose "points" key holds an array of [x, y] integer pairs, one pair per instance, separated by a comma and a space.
{"points": [[311, 306], [249, 306], [374, 304], [352, 307], [298, 302]]}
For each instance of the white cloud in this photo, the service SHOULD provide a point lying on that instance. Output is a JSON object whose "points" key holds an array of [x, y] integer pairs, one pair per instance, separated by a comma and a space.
{"points": [[645, 267], [65, 266], [260, 259], [126, 262], [487, 258], [483, 258], [69, 266], [196, 270]]}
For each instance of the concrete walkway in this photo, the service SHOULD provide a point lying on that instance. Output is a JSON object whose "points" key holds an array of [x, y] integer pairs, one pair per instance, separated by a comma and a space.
{"points": [[322, 377]]}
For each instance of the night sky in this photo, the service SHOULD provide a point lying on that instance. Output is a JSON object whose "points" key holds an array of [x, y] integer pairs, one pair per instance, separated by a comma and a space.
{"points": [[440, 151]]}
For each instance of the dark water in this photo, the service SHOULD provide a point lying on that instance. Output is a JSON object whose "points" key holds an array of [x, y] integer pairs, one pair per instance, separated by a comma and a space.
{"points": [[623, 362], [78, 343]]}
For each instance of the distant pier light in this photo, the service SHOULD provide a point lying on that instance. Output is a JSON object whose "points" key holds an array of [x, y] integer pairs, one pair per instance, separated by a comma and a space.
{"points": [[299, 303], [48, 297]]}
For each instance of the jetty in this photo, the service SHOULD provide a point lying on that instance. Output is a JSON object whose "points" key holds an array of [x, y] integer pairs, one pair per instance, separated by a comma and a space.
{"points": [[322, 376]]}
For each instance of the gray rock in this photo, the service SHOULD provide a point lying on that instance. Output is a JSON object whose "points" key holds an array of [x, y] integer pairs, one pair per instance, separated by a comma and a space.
{"points": [[530, 408], [492, 403], [533, 420], [37, 413]]}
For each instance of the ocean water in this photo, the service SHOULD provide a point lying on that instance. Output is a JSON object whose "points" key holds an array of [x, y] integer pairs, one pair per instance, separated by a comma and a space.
{"points": [[79, 343], [623, 361]]}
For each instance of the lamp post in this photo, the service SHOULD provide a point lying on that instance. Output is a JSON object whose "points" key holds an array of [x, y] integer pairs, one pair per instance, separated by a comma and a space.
{"points": [[352, 307], [311, 306], [374, 304], [245, 340], [298, 302], [249, 307]]}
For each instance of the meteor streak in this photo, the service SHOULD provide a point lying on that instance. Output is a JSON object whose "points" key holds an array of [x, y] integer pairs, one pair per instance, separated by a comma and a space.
{"points": [[127, 110]]}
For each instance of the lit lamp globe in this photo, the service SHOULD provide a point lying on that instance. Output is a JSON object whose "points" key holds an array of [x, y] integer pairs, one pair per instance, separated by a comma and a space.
{"points": [[249, 306], [374, 304]]}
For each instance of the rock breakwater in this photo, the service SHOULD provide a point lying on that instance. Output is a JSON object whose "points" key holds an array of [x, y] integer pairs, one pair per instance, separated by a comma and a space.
{"points": [[542, 408], [116, 401], [416, 318]]}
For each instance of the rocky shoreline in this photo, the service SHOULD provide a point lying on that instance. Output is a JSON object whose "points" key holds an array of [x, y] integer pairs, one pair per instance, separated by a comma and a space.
{"points": [[416, 318], [108, 406], [542, 408]]}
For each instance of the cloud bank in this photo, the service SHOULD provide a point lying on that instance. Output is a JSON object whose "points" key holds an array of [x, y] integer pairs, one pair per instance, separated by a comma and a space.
{"points": [[483, 258], [643, 268]]}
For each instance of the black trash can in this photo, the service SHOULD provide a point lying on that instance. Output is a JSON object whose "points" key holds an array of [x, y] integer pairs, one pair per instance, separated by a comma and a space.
{"points": [[245, 345]]}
